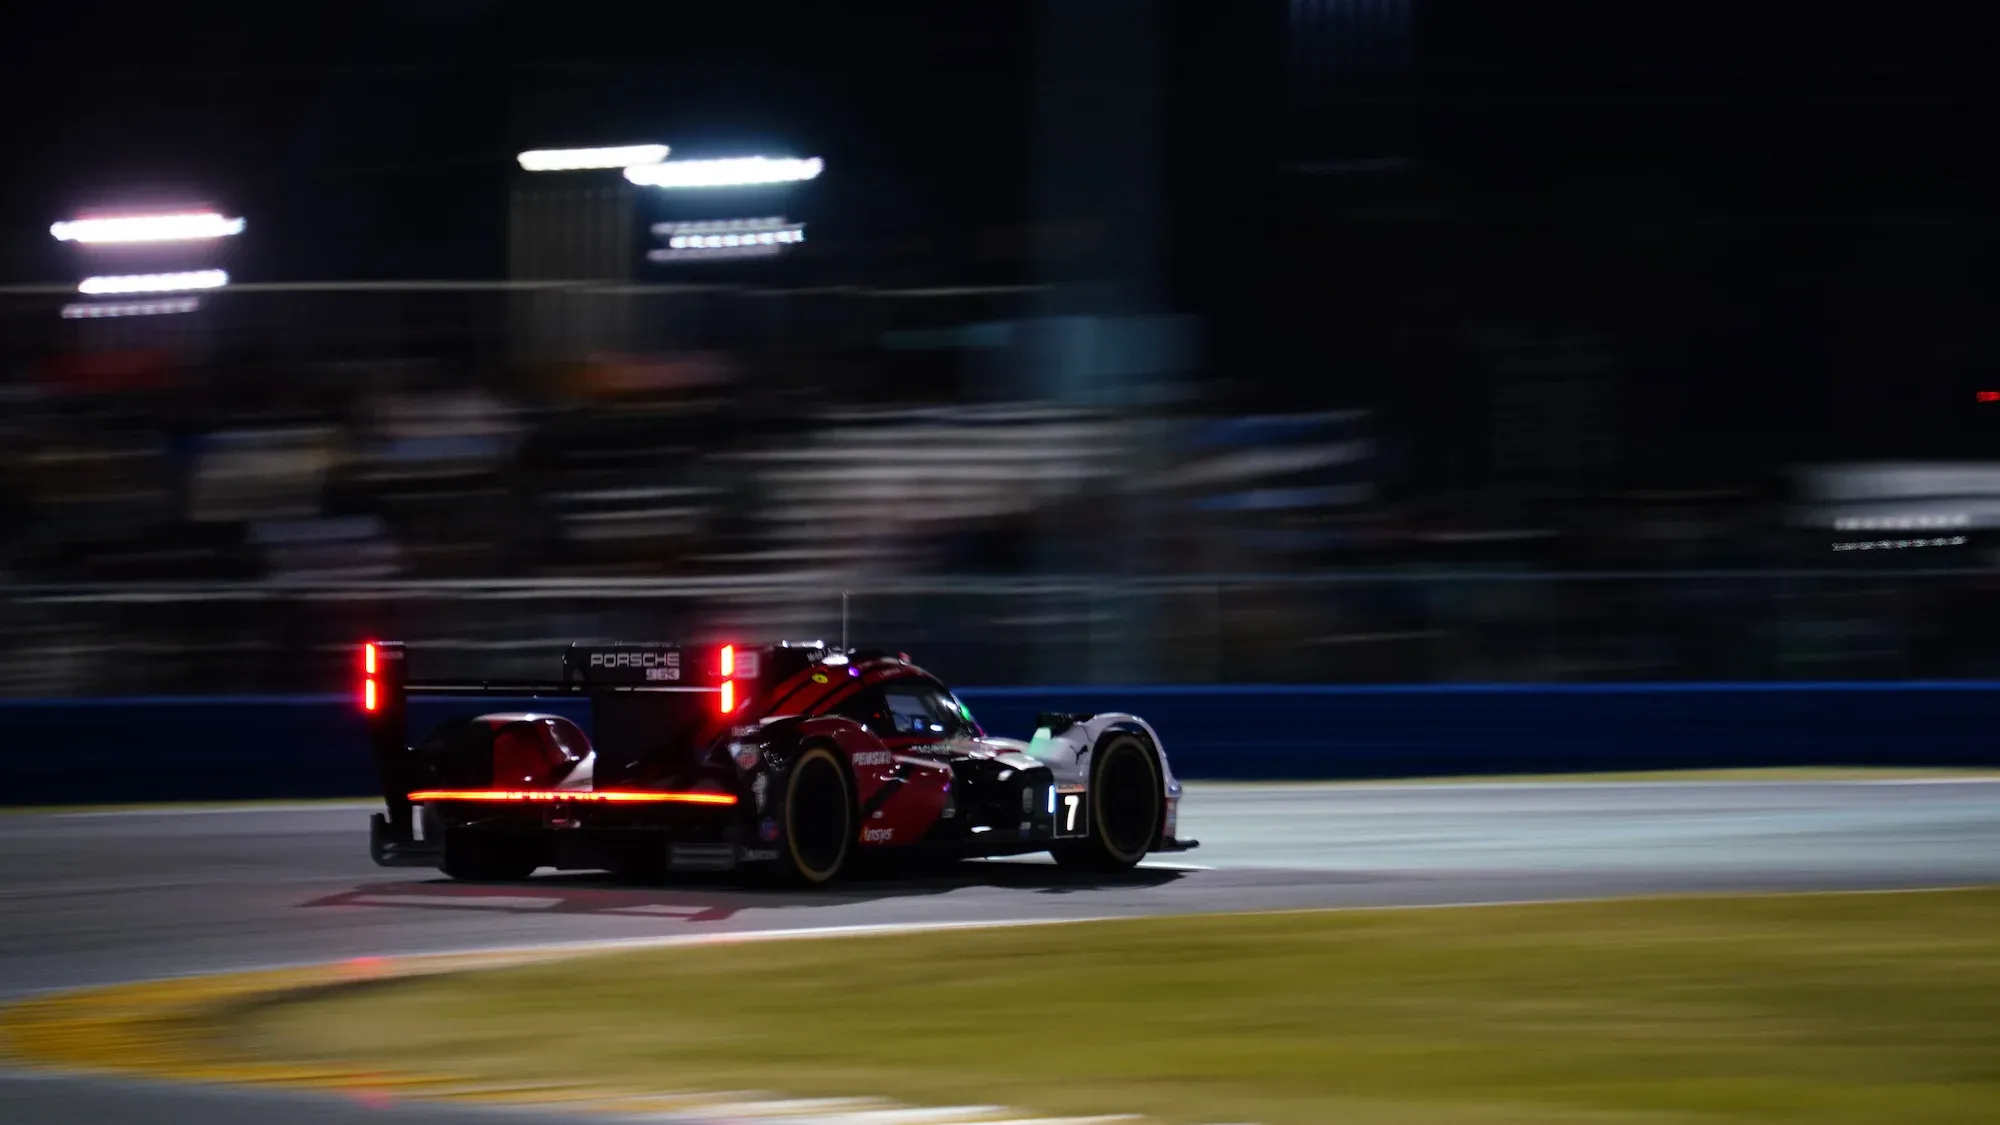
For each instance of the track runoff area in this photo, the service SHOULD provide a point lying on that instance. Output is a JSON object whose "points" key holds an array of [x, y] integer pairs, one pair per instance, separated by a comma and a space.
{"points": [[1734, 948]]}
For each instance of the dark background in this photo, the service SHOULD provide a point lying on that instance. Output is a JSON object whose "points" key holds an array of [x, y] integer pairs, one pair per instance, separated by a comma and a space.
{"points": [[1783, 213], [1594, 278]]}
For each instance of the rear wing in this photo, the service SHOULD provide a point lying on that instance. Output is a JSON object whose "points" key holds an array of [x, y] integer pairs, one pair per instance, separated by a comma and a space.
{"points": [[644, 699]]}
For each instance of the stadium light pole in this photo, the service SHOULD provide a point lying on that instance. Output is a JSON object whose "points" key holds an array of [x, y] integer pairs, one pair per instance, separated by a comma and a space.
{"points": [[172, 245], [570, 228]]}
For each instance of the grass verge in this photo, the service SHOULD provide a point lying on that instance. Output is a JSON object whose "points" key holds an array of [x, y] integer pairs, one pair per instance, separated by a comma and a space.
{"points": [[1828, 1009]]}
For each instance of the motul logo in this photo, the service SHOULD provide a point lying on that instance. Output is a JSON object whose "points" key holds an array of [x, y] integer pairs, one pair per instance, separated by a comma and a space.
{"points": [[635, 660]]}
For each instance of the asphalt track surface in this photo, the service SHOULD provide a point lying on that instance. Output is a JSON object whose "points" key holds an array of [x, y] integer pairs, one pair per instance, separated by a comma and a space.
{"points": [[90, 898]]}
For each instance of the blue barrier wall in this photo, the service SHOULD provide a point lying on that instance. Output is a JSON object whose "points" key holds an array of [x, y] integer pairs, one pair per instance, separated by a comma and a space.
{"points": [[1347, 732], [309, 746]]}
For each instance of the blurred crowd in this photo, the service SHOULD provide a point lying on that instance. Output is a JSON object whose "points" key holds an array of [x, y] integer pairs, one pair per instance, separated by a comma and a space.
{"points": [[368, 471], [178, 521], [694, 464]]}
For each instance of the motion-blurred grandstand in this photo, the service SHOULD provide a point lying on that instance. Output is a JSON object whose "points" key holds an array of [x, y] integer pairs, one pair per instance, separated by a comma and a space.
{"points": [[183, 507]]}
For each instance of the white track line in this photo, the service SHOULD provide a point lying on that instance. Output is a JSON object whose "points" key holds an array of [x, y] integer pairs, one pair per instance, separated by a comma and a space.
{"points": [[1196, 788], [342, 805]]}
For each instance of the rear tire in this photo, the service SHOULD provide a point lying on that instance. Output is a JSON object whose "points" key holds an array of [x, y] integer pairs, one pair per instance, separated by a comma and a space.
{"points": [[474, 858], [818, 820], [1125, 807]]}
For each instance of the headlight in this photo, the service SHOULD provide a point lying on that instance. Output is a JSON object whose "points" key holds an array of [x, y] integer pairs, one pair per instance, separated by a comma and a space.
{"points": [[746, 754]]}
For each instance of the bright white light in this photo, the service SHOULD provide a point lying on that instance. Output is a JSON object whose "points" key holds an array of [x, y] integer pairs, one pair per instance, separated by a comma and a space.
{"points": [[148, 228], [713, 239], [741, 171], [96, 310], [574, 159], [155, 282]]}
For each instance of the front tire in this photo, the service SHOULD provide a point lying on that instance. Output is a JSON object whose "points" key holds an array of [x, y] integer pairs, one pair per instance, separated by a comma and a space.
{"points": [[478, 858], [818, 819], [1125, 807]]}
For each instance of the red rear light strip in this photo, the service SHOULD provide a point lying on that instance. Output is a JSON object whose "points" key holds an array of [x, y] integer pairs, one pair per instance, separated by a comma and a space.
{"points": [[369, 701], [615, 796]]}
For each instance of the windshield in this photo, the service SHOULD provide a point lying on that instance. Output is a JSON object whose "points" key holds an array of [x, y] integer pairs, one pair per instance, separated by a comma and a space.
{"points": [[924, 710]]}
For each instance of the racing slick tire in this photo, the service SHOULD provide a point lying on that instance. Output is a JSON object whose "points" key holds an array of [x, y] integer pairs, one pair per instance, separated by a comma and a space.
{"points": [[818, 819], [475, 857], [1125, 807]]}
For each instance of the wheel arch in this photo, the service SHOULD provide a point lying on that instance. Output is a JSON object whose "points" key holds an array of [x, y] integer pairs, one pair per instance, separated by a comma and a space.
{"points": [[800, 743], [1101, 727], [1098, 725], [803, 741]]}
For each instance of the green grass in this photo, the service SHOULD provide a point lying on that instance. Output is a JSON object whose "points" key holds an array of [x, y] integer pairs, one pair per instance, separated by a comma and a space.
{"points": [[1826, 1010]]}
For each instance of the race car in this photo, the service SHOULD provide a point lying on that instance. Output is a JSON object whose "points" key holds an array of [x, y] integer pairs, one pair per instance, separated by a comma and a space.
{"points": [[795, 760]]}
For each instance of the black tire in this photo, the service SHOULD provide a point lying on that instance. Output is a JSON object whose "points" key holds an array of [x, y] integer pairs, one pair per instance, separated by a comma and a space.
{"points": [[478, 858], [1125, 807], [819, 819]]}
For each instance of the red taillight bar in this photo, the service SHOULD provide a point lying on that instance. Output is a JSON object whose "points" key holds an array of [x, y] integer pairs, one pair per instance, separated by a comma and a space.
{"points": [[369, 702], [615, 796]]}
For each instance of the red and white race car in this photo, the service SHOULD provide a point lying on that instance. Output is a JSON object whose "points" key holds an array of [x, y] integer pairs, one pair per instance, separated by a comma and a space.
{"points": [[794, 759]]}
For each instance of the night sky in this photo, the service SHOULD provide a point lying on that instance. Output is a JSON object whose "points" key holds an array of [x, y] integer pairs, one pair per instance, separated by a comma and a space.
{"points": [[1784, 214], [378, 139]]}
